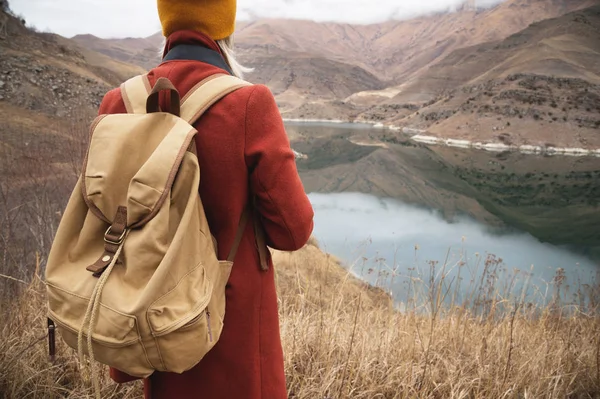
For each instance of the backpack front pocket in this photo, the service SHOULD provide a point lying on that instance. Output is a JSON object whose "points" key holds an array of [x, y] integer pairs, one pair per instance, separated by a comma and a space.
{"points": [[116, 339], [182, 349], [179, 322]]}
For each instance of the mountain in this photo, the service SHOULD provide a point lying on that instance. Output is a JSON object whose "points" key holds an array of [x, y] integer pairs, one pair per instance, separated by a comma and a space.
{"points": [[529, 88], [143, 52], [307, 64], [395, 51]]}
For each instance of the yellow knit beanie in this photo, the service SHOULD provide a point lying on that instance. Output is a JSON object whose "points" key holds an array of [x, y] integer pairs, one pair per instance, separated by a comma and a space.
{"points": [[216, 18]]}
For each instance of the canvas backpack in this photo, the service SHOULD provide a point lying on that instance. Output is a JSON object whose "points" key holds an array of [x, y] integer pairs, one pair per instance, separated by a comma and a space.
{"points": [[133, 278]]}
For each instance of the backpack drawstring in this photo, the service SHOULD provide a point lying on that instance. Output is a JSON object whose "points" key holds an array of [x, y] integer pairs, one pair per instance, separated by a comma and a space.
{"points": [[91, 316]]}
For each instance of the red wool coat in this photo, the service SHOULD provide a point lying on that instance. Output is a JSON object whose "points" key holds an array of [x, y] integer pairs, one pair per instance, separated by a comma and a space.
{"points": [[243, 150]]}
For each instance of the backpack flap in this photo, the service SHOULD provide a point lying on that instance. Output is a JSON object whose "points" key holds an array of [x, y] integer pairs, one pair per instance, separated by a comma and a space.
{"points": [[127, 166]]}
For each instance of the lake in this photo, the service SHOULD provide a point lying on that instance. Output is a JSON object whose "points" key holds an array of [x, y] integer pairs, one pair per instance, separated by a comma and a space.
{"points": [[397, 212]]}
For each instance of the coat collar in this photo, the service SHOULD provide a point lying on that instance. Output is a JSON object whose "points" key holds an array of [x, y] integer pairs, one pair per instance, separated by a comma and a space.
{"points": [[190, 37]]}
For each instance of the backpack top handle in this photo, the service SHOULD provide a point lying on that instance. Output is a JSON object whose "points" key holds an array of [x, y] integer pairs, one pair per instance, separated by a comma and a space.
{"points": [[153, 99]]}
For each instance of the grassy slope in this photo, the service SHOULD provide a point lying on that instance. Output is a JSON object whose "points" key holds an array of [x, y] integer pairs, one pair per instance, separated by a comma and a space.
{"points": [[344, 340]]}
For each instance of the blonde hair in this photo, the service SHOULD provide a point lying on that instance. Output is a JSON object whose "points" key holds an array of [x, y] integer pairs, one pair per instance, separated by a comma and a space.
{"points": [[226, 45]]}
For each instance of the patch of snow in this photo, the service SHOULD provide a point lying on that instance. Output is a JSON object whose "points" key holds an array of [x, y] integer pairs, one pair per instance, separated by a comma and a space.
{"points": [[500, 147], [496, 147], [427, 139], [530, 149], [299, 155], [458, 143]]}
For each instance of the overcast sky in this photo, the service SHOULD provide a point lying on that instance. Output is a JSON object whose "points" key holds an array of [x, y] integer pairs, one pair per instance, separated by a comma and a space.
{"points": [[136, 18]]}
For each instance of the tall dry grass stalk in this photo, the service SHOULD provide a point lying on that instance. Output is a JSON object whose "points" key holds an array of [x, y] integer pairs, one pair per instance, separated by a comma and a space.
{"points": [[344, 339]]}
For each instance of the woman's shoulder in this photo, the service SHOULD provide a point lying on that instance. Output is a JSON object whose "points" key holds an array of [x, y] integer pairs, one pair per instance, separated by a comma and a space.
{"points": [[258, 98], [112, 103], [254, 93]]}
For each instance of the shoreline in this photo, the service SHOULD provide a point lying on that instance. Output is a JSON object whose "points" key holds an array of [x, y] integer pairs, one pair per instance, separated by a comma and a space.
{"points": [[419, 136], [501, 147], [376, 125]]}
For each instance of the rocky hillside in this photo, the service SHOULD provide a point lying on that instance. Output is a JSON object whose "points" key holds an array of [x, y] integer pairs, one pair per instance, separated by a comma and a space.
{"points": [[50, 90], [293, 80], [47, 73], [530, 88], [143, 52]]}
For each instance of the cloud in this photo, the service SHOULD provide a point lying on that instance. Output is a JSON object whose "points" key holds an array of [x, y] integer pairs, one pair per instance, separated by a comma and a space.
{"points": [[348, 11], [135, 18], [104, 18]]}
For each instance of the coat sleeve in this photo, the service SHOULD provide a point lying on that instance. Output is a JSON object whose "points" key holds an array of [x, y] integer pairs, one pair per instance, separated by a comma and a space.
{"points": [[285, 210]]}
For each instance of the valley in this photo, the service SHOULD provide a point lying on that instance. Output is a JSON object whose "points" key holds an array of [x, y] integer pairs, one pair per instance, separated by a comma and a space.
{"points": [[554, 198]]}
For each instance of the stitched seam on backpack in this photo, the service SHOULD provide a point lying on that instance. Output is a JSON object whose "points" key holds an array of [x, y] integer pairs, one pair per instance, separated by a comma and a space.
{"points": [[170, 180], [195, 309], [140, 204], [87, 299], [145, 351], [176, 285], [150, 187], [160, 356]]}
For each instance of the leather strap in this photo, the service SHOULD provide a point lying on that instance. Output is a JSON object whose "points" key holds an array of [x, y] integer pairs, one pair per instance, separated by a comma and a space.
{"points": [[153, 99], [261, 245], [258, 235], [238, 236], [112, 240], [51, 340], [135, 93]]}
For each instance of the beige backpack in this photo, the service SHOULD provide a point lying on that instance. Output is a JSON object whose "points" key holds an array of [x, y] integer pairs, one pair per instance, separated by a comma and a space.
{"points": [[133, 278]]}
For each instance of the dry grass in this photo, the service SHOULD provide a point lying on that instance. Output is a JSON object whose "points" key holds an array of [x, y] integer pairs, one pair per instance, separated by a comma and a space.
{"points": [[345, 340]]}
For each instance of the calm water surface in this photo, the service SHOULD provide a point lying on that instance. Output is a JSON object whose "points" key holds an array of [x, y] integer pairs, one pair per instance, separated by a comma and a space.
{"points": [[400, 213], [387, 242]]}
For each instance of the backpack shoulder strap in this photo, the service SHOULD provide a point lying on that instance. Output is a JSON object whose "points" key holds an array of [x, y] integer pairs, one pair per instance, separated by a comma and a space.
{"points": [[200, 98], [206, 93], [135, 92]]}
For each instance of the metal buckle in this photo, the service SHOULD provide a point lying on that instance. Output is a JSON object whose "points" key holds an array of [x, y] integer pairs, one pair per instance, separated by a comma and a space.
{"points": [[120, 240]]}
